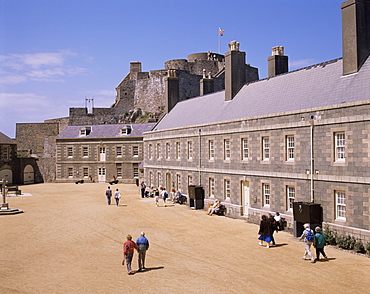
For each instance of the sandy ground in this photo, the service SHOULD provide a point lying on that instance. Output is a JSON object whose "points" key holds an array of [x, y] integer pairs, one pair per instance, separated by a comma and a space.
{"points": [[68, 240]]}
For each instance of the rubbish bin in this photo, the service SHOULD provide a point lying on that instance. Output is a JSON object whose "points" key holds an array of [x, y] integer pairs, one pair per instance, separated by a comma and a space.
{"points": [[306, 212], [196, 197]]}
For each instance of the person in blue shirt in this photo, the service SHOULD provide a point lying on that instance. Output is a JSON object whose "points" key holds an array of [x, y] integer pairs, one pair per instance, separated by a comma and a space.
{"points": [[143, 245]]}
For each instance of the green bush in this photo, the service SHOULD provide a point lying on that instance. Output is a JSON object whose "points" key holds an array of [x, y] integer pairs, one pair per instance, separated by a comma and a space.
{"points": [[368, 248], [330, 236], [359, 247], [346, 242]]}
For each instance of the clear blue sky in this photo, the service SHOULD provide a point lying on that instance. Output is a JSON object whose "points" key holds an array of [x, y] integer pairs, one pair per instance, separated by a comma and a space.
{"points": [[56, 53]]}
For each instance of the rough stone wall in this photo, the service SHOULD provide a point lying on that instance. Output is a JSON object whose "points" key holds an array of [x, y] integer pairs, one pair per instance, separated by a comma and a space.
{"points": [[329, 175]]}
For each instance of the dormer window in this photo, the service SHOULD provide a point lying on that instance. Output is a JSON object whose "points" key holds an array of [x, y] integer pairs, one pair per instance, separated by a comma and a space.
{"points": [[85, 131], [126, 130]]}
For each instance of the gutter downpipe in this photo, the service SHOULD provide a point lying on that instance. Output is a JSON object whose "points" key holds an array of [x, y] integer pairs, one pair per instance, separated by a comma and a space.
{"points": [[200, 157], [311, 160]]}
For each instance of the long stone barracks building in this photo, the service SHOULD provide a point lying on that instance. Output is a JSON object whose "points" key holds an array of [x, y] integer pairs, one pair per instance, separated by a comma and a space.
{"points": [[297, 136], [100, 153]]}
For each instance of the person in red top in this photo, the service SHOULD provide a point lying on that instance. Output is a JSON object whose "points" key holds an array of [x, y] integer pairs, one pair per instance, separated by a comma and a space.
{"points": [[128, 250]]}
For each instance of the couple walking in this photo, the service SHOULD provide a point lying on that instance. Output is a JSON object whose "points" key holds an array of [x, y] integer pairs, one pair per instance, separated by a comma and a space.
{"points": [[141, 245], [117, 196]]}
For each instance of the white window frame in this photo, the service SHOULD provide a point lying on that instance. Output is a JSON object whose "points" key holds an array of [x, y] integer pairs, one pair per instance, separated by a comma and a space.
{"points": [[150, 147], [151, 179], [159, 178], [119, 172], [227, 151], [227, 189], [85, 151], [290, 148], [290, 197], [178, 150], [118, 151], [135, 151], [126, 130], [245, 149], [136, 172], [340, 146], [85, 171], [178, 182], [70, 172], [211, 187], [158, 150], [85, 131], [69, 152], [190, 150], [340, 205], [266, 190], [168, 150], [211, 149], [266, 148]]}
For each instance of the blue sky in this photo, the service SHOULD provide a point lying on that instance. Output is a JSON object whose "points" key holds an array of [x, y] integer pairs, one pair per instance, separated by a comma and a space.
{"points": [[56, 53]]}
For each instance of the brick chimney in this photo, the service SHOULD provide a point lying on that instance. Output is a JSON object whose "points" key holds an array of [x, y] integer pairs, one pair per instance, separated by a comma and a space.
{"points": [[278, 62], [207, 84], [355, 34], [172, 92], [235, 72]]}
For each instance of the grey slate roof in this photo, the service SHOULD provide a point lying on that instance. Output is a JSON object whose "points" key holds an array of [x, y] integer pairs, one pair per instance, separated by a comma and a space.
{"points": [[105, 131], [4, 139], [311, 87]]}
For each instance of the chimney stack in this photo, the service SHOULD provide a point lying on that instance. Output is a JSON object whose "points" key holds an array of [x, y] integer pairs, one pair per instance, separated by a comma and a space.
{"points": [[355, 34], [278, 62], [235, 72], [172, 92]]}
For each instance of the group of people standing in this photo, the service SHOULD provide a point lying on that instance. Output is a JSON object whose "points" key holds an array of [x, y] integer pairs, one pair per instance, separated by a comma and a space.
{"points": [[141, 245], [269, 225], [108, 194]]}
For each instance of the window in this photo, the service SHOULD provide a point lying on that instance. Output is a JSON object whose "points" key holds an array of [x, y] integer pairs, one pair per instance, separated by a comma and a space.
{"points": [[126, 130], [158, 150], [290, 148], [211, 151], [150, 151], [85, 131], [340, 203], [227, 149], [119, 151], [151, 179], [85, 151], [178, 150], [136, 172], [70, 151], [265, 148], [290, 197], [227, 188], [159, 179], [119, 172], [85, 172], [168, 150], [190, 180], [211, 187], [178, 182], [70, 172], [245, 150], [135, 151], [190, 150], [6, 155], [340, 143], [266, 194]]}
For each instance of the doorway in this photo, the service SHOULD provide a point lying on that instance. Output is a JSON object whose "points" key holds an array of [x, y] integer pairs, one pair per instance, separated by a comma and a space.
{"points": [[245, 197]]}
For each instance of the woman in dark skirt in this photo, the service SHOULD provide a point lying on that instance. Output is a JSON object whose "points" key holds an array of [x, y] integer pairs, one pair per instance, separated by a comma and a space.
{"points": [[265, 231]]}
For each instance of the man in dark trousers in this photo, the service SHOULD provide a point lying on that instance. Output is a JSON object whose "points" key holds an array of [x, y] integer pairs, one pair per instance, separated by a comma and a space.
{"points": [[143, 245], [142, 188], [108, 193]]}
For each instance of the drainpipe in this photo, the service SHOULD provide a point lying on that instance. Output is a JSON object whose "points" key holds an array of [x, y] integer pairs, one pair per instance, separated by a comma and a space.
{"points": [[200, 156], [311, 159]]}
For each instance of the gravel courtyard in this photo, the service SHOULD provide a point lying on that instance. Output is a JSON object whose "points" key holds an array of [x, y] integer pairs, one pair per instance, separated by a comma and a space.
{"points": [[68, 240]]}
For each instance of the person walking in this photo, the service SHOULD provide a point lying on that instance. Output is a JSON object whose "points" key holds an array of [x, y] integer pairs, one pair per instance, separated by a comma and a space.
{"points": [[117, 196], [307, 237], [164, 195], [128, 251], [142, 189], [319, 243], [143, 245], [264, 231], [273, 228], [108, 193]]}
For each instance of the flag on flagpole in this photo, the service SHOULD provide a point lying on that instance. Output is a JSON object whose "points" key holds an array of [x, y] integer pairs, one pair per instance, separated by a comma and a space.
{"points": [[220, 31]]}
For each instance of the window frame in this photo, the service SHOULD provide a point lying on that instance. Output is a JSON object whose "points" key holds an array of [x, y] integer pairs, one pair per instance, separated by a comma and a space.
{"points": [[245, 149], [266, 154], [190, 150], [266, 194], [227, 189], [211, 150], [340, 205], [227, 149], [290, 148], [340, 147], [290, 190]]}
